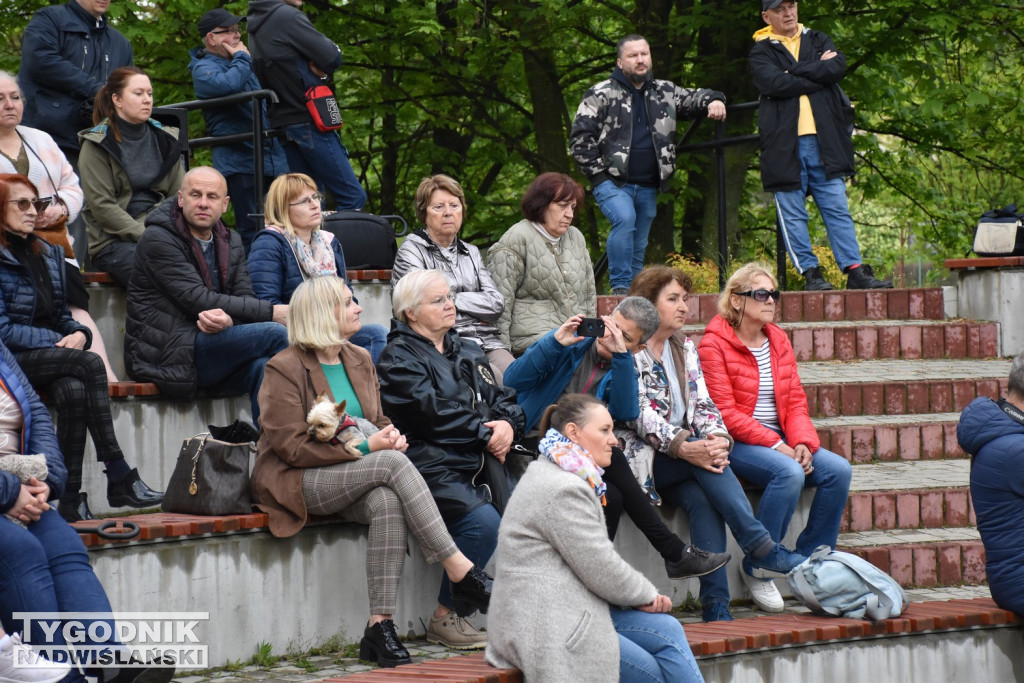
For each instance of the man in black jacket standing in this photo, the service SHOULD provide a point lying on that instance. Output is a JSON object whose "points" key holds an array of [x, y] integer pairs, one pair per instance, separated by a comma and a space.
{"points": [[806, 124], [290, 56], [193, 320]]}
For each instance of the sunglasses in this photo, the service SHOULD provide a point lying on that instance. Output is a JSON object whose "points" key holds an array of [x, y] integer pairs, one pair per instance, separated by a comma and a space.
{"points": [[25, 204], [762, 295]]}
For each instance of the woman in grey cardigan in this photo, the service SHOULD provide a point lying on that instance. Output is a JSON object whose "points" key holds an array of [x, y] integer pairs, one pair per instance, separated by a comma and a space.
{"points": [[554, 612]]}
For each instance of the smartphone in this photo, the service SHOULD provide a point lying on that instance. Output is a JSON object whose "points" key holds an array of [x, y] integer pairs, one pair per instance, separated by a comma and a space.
{"points": [[590, 327]]}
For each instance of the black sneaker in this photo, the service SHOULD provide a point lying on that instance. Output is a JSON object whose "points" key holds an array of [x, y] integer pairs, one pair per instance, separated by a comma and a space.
{"points": [[862, 277], [814, 281], [695, 562]]}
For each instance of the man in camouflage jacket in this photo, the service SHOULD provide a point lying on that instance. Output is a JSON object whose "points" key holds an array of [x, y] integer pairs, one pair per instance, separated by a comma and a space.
{"points": [[623, 139]]}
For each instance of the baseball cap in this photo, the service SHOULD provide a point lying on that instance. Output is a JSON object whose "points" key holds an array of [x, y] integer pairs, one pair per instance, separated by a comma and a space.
{"points": [[217, 18], [770, 4]]}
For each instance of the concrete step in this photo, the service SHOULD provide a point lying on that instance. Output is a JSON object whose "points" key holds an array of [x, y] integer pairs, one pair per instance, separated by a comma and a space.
{"points": [[879, 304], [866, 438], [931, 557], [899, 387], [869, 339], [909, 495]]}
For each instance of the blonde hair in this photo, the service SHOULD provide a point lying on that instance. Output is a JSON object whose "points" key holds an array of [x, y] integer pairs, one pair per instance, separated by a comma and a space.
{"points": [[408, 291], [316, 313], [281, 194], [430, 185], [741, 281]]}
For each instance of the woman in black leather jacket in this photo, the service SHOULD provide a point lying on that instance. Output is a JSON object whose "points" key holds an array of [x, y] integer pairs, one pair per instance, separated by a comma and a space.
{"points": [[439, 391]]}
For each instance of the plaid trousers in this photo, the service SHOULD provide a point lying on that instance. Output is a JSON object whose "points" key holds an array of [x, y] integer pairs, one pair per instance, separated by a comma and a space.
{"points": [[387, 492], [76, 382]]}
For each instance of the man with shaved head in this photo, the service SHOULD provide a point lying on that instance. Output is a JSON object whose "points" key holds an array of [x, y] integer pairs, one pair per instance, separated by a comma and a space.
{"points": [[193, 320]]}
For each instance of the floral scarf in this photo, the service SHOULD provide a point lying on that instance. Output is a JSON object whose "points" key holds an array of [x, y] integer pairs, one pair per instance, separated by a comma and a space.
{"points": [[557, 448], [314, 259]]}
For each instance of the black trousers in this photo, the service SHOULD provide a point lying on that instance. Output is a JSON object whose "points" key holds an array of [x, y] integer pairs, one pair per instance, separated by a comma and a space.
{"points": [[625, 494], [76, 382]]}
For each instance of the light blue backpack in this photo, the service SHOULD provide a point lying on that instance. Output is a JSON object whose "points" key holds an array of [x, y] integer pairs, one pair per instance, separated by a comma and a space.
{"points": [[838, 584]]}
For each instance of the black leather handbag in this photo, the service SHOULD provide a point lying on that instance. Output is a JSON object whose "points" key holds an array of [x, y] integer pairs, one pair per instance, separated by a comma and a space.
{"points": [[211, 476]]}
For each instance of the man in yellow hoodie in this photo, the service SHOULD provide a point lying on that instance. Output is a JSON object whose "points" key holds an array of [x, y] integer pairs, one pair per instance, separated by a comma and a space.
{"points": [[806, 127]]}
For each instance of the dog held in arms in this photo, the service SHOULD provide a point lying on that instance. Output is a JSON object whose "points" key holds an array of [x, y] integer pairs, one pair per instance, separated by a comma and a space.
{"points": [[328, 422]]}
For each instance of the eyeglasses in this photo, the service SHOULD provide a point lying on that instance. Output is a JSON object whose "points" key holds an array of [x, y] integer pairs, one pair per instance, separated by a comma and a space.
{"points": [[762, 295], [25, 204], [221, 31], [315, 197], [441, 300]]}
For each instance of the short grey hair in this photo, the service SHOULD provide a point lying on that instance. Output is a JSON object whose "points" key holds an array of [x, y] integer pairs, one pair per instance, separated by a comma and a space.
{"points": [[1016, 383], [8, 74], [409, 289], [639, 310]]}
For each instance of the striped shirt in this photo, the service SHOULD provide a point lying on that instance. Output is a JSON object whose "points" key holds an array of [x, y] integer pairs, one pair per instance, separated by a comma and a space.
{"points": [[765, 411]]}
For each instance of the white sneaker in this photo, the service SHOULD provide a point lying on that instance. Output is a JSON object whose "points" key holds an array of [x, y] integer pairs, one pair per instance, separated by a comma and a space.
{"points": [[765, 594], [19, 664]]}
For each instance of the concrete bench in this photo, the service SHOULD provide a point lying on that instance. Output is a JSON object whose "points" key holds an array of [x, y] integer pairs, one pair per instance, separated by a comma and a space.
{"points": [[948, 637], [991, 288]]}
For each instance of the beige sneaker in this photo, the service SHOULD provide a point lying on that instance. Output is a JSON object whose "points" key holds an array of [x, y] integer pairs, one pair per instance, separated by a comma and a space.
{"points": [[453, 631]]}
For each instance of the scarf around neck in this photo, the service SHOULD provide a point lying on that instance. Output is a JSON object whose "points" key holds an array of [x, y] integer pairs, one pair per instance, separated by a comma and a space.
{"points": [[316, 258], [557, 448]]}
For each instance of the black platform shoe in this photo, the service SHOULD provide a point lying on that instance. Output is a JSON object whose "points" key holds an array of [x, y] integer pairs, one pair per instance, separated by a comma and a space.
{"points": [[380, 644], [75, 509], [472, 593], [132, 492]]}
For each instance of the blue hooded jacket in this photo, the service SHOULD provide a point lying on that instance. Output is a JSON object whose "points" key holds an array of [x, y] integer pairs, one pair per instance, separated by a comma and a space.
{"points": [[996, 442]]}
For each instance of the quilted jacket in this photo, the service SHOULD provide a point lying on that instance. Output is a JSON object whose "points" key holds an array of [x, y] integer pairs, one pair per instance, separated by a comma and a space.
{"points": [[478, 302], [652, 431], [730, 370], [274, 271], [167, 293], [18, 302], [543, 284]]}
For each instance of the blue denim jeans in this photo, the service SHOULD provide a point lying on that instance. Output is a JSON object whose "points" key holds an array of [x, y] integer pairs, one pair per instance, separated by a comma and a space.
{"points": [[476, 535], [830, 198], [711, 501], [653, 647], [373, 338], [323, 157], [45, 568], [242, 190], [631, 210], [232, 360], [783, 480]]}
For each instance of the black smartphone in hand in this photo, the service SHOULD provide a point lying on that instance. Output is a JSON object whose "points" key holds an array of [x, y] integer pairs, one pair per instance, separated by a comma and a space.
{"points": [[590, 327]]}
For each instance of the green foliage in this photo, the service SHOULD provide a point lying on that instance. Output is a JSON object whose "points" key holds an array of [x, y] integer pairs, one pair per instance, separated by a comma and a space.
{"points": [[264, 656], [704, 274]]}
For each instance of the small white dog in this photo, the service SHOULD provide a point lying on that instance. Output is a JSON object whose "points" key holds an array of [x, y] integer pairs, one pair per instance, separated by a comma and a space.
{"points": [[331, 424]]}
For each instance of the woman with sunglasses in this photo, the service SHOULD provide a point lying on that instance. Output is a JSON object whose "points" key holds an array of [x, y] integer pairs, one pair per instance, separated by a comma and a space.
{"points": [[680, 445], [294, 247], [52, 349], [35, 155], [751, 374]]}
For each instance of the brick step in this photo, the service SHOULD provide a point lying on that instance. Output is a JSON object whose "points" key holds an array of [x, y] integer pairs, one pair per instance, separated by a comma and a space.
{"points": [[879, 304], [899, 387], [867, 438], [870, 339], [937, 557]]}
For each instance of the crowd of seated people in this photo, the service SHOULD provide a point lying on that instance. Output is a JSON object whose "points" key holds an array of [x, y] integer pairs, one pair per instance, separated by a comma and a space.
{"points": [[477, 352]]}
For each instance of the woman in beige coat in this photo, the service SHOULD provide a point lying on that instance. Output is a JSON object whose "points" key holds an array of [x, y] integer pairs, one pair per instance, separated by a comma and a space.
{"points": [[565, 606]]}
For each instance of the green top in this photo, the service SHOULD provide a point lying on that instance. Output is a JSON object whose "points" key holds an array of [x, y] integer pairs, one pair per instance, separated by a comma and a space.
{"points": [[341, 388]]}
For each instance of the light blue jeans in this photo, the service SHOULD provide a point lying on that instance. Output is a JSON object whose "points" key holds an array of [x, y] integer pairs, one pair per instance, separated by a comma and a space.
{"points": [[783, 480], [653, 647], [830, 198], [631, 210]]}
